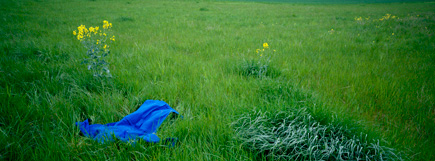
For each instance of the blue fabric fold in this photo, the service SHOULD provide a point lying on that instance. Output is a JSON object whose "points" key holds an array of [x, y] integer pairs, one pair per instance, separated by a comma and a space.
{"points": [[141, 124]]}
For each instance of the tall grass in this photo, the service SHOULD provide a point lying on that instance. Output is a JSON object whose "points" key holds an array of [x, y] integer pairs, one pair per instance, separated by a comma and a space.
{"points": [[190, 54], [296, 135]]}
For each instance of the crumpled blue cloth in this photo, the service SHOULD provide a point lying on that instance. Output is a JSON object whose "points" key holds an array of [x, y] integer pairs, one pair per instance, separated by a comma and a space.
{"points": [[141, 124]]}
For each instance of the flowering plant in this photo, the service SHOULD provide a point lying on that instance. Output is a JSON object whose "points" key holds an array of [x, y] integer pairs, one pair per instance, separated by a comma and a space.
{"points": [[264, 59], [260, 66], [96, 41]]}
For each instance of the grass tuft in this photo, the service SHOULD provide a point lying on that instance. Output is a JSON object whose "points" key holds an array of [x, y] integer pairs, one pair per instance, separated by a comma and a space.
{"points": [[252, 68], [296, 135], [203, 9]]}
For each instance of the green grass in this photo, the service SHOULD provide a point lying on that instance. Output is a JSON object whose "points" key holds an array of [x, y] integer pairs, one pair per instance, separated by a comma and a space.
{"points": [[332, 1], [191, 54], [295, 135]]}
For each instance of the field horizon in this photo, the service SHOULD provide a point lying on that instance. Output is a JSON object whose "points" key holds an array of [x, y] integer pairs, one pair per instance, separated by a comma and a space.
{"points": [[358, 76], [333, 1]]}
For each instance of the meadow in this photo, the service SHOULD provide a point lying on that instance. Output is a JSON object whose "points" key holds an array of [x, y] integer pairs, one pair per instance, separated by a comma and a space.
{"points": [[361, 71]]}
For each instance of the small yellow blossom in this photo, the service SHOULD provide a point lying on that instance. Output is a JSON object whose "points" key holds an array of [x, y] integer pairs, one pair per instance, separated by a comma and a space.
{"points": [[358, 18], [387, 16], [106, 24], [74, 32], [265, 45], [392, 34], [257, 50], [331, 31]]}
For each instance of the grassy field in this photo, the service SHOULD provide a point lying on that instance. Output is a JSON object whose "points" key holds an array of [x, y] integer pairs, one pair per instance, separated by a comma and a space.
{"points": [[372, 75], [331, 1]]}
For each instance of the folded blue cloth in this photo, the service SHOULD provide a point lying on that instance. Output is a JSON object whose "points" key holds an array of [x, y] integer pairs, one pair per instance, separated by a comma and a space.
{"points": [[143, 123]]}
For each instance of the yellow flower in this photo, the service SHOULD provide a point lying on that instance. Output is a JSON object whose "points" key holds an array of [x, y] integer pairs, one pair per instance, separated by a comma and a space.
{"points": [[331, 31], [74, 32], [257, 50], [112, 38], [387, 16], [106, 24], [265, 45], [261, 55], [81, 28], [392, 34], [105, 46], [91, 29]]}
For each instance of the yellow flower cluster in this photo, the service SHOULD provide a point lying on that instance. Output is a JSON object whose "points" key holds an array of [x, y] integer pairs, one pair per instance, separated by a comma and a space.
{"points": [[107, 25], [265, 46], [387, 16], [82, 32]]}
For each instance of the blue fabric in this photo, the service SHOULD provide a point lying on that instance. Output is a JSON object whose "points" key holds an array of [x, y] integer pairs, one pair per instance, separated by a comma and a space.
{"points": [[143, 123]]}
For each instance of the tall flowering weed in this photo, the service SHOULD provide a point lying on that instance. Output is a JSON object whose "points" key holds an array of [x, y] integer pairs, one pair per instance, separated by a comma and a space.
{"points": [[264, 56], [97, 42], [259, 67]]}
